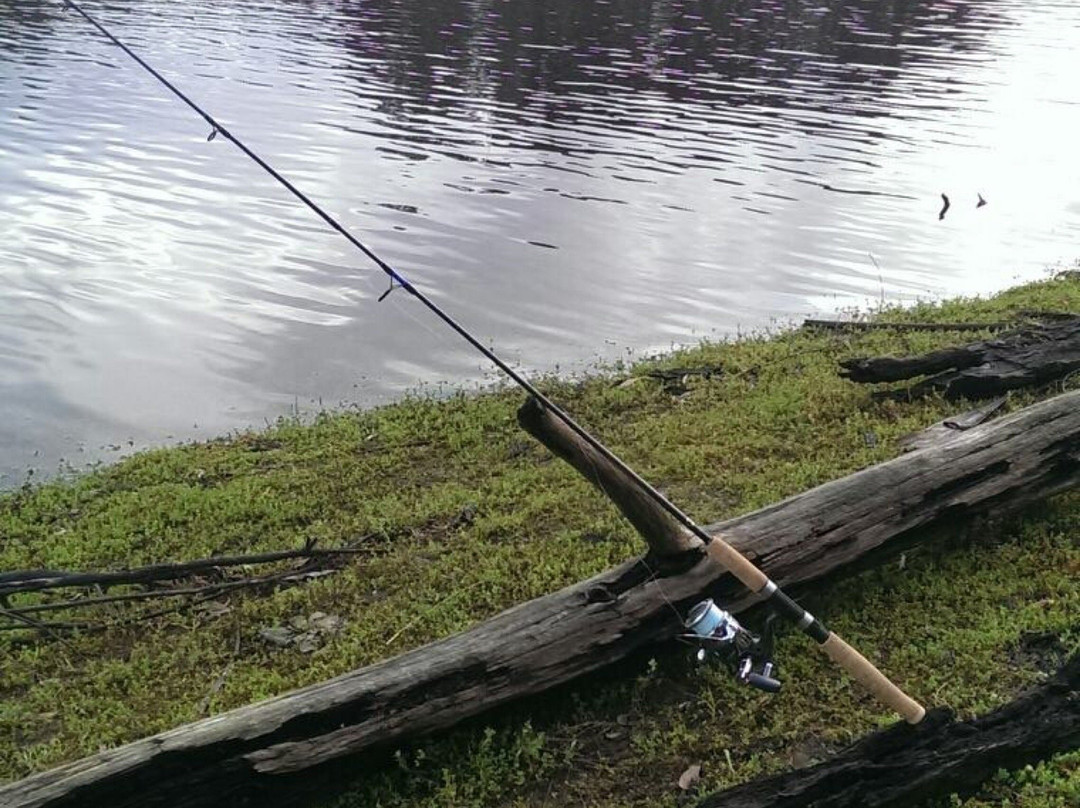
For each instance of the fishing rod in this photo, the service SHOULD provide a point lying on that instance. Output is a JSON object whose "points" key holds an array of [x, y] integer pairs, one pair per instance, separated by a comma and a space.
{"points": [[713, 627]]}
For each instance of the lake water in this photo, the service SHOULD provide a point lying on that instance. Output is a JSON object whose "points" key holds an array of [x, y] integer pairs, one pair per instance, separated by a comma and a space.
{"points": [[574, 180]]}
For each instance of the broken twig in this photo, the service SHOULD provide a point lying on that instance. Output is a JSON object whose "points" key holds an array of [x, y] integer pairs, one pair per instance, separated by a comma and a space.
{"points": [[859, 325], [38, 580]]}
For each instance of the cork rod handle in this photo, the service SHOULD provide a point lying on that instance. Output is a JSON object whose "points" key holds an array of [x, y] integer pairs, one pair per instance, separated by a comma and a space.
{"points": [[864, 672], [857, 666]]}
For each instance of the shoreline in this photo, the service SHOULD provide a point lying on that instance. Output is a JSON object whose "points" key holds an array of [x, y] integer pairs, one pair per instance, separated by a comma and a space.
{"points": [[75, 457], [470, 517]]}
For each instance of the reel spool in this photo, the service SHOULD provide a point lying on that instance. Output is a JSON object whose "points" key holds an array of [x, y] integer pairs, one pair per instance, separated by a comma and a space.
{"points": [[718, 634]]}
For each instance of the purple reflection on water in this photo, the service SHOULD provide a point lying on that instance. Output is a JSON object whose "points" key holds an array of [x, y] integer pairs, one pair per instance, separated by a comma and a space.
{"points": [[575, 180]]}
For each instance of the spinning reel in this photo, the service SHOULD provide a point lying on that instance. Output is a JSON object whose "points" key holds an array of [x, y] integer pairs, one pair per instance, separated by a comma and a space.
{"points": [[721, 636]]}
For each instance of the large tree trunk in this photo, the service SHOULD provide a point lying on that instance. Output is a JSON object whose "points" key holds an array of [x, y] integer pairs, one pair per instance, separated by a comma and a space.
{"points": [[273, 752], [905, 765]]}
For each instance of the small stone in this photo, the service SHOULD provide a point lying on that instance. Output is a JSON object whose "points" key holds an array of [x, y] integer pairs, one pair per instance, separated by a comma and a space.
{"points": [[326, 623], [279, 636], [213, 608], [690, 777]]}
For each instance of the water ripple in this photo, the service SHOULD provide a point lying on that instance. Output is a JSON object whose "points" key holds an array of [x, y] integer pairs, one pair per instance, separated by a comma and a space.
{"points": [[563, 176]]}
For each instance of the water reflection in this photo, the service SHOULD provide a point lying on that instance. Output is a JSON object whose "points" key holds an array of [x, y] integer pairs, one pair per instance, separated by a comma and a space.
{"points": [[573, 179]]}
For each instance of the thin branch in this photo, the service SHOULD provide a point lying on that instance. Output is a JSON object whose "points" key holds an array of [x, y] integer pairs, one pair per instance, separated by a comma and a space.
{"points": [[848, 325], [24, 622], [79, 603], [200, 595], [38, 580]]}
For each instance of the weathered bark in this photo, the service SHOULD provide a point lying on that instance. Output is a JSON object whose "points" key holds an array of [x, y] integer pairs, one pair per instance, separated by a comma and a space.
{"points": [[1029, 356], [951, 427], [905, 765], [272, 752], [664, 535]]}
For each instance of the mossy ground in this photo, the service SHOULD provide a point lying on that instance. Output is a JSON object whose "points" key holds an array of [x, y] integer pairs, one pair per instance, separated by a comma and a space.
{"points": [[470, 517]]}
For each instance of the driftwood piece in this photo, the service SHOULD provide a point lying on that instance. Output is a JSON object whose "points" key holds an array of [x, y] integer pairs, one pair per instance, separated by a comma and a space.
{"points": [[279, 751], [680, 375], [1030, 356], [665, 536], [208, 571], [906, 765]]}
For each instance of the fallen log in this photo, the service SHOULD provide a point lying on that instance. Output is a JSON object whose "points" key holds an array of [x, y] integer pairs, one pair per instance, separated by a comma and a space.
{"points": [[279, 751], [906, 765], [1028, 357]]}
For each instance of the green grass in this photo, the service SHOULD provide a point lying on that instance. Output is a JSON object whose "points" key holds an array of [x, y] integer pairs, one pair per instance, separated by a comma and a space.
{"points": [[1050, 784], [950, 622]]}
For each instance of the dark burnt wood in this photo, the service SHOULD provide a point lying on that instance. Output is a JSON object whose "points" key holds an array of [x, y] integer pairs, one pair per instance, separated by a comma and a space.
{"points": [[906, 765], [1032, 356]]}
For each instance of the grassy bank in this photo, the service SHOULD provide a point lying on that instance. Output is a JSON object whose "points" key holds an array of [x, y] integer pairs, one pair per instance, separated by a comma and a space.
{"points": [[464, 516]]}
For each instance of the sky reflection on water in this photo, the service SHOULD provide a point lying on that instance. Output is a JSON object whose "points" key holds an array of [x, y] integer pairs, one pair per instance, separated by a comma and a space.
{"points": [[574, 180]]}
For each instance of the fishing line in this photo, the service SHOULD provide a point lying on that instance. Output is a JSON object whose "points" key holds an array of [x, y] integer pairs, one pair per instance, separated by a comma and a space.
{"points": [[218, 129], [654, 576], [716, 547]]}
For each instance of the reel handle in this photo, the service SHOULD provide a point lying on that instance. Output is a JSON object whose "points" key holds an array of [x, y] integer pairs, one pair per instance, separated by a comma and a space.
{"points": [[763, 682]]}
